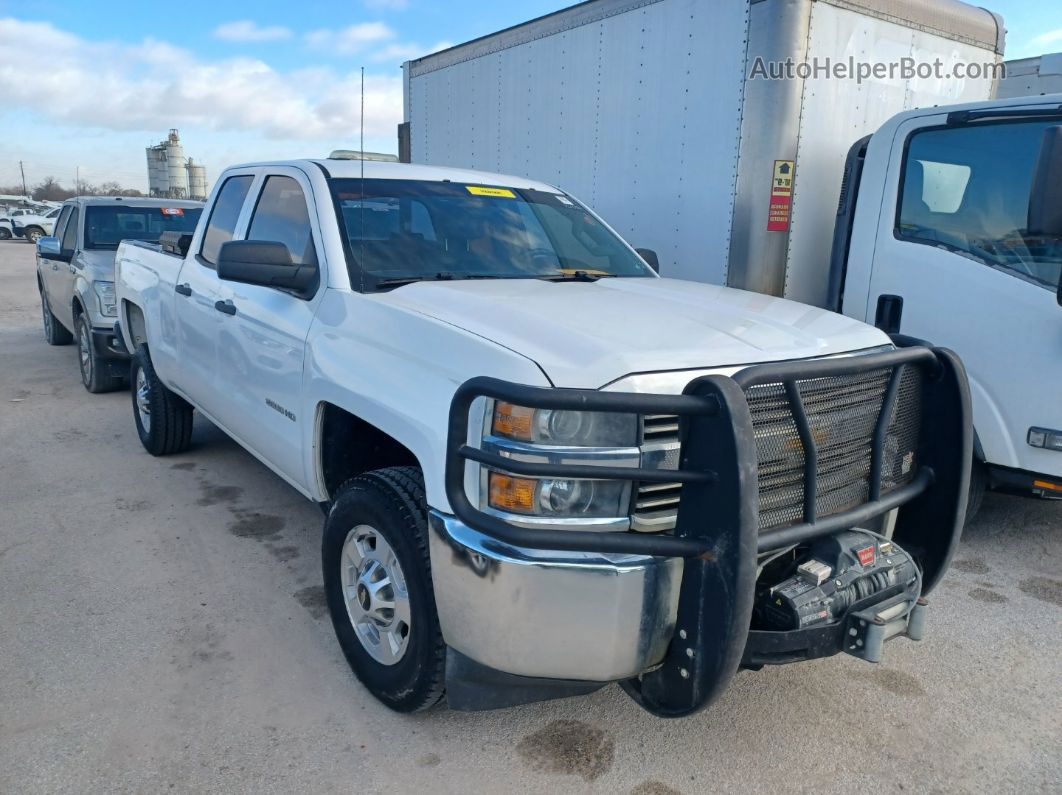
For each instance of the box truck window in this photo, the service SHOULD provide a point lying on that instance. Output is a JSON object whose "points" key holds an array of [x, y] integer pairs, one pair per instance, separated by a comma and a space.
{"points": [[967, 188]]}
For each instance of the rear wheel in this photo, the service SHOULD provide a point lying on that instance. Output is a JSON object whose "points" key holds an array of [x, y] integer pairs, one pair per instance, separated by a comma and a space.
{"points": [[5, 233], [54, 331], [163, 418], [378, 587], [96, 373]]}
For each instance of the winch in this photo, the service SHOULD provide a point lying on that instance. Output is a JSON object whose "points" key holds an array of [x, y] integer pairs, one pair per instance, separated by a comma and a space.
{"points": [[855, 589]]}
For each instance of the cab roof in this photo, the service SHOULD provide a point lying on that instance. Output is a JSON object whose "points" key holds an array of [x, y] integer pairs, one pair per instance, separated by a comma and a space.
{"points": [[133, 201], [352, 169]]}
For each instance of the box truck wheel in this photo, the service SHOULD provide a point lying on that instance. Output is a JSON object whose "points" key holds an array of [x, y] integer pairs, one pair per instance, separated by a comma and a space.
{"points": [[163, 418], [377, 581], [978, 485]]}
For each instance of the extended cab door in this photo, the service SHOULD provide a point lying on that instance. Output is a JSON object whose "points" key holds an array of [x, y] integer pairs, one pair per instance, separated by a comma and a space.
{"points": [[261, 345], [197, 296], [954, 264]]}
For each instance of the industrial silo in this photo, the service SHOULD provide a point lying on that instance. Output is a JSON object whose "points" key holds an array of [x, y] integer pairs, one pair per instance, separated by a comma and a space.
{"points": [[197, 180], [158, 175], [175, 166]]}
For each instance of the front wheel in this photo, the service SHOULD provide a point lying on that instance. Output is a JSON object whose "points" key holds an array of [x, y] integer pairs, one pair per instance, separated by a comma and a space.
{"points": [[33, 234], [378, 587], [163, 418], [54, 331], [96, 373]]}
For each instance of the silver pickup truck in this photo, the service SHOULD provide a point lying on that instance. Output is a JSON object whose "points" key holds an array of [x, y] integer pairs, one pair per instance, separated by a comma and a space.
{"points": [[75, 275]]}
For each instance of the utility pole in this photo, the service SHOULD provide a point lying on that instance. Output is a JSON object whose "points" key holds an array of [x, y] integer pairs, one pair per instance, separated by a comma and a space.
{"points": [[25, 192]]}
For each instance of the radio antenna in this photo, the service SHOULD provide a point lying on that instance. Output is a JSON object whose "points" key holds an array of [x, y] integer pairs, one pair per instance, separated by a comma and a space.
{"points": [[361, 265]]}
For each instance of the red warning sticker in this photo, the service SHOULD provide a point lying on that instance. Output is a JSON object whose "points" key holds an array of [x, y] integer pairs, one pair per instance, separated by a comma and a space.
{"points": [[781, 197], [172, 210], [866, 556]]}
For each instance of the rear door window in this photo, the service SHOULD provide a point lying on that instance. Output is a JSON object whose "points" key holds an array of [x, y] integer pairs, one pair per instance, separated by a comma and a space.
{"points": [[223, 216]]}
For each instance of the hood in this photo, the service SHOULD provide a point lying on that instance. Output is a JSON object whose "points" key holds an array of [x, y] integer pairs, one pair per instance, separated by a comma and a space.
{"points": [[100, 262], [588, 334]]}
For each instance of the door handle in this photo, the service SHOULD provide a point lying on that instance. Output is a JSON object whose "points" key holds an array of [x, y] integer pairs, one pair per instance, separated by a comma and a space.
{"points": [[183, 289], [225, 306]]}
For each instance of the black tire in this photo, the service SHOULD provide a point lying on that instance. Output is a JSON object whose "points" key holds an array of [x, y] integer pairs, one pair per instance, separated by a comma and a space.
{"points": [[978, 486], [55, 333], [32, 234], [5, 233], [169, 416], [391, 501], [96, 374]]}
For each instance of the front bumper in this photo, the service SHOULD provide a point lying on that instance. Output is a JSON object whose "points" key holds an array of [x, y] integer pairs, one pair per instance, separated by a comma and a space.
{"points": [[588, 616], [583, 605], [107, 343]]}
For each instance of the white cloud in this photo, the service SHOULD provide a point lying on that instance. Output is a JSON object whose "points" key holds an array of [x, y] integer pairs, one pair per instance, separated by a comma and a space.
{"points": [[153, 86], [1050, 37], [406, 52], [349, 40], [245, 30], [393, 5]]}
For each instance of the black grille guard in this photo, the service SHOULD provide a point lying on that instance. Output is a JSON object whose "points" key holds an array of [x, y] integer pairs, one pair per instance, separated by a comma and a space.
{"points": [[717, 524]]}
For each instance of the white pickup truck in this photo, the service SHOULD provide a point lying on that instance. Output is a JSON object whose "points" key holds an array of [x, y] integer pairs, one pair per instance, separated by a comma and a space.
{"points": [[544, 468]]}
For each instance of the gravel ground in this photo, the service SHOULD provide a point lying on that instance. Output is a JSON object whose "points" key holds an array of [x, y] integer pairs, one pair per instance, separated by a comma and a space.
{"points": [[162, 626]]}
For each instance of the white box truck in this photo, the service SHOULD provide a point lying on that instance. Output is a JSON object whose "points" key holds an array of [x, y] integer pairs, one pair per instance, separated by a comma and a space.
{"points": [[1028, 77], [797, 148]]}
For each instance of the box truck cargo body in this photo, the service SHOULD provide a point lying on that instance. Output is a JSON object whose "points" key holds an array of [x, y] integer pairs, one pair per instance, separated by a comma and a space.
{"points": [[659, 116], [1027, 77]]}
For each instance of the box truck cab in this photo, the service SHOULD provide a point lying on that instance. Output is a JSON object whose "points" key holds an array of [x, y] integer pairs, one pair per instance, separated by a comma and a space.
{"points": [[956, 237]]}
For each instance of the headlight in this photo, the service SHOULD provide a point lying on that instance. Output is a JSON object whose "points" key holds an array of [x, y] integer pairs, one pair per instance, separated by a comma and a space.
{"points": [[562, 427], [558, 497], [105, 292]]}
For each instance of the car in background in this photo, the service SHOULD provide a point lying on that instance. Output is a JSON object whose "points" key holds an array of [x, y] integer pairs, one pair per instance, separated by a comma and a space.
{"points": [[33, 226], [75, 274]]}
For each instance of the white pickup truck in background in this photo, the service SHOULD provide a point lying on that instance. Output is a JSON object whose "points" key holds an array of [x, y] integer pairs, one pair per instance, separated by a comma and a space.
{"points": [[544, 467]]}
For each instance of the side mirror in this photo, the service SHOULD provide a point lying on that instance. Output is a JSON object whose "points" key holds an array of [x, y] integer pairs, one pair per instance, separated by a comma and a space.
{"points": [[650, 258], [266, 263], [1045, 195], [50, 248]]}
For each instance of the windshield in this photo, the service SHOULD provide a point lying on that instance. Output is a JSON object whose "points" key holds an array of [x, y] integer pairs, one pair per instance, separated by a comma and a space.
{"points": [[107, 226], [406, 230]]}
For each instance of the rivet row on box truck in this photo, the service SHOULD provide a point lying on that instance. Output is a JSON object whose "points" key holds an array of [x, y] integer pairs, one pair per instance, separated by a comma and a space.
{"points": [[844, 153]]}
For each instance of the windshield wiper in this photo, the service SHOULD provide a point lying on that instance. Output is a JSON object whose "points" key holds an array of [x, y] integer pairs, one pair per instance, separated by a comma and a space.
{"points": [[398, 281], [576, 276]]}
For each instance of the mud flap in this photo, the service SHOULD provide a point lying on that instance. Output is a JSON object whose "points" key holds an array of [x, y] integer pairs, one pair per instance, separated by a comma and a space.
{"points": [[715, 599]]}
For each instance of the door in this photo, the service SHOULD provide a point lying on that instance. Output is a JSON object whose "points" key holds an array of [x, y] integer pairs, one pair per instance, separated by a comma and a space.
{"points": [[196, 296], [261, 347], [51, 270], [61, 293], [954, 249]]}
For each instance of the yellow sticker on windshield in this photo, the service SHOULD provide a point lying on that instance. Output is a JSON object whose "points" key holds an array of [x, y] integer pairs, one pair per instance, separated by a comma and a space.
{"points": [[503, 193]]}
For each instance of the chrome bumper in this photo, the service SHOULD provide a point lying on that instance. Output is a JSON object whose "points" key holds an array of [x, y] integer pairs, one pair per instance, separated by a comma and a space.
{"points": [[559, 615]]}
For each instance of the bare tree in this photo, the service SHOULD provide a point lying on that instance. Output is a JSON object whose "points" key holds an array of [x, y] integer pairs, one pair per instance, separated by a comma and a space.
{"points": [[49, 189]]}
